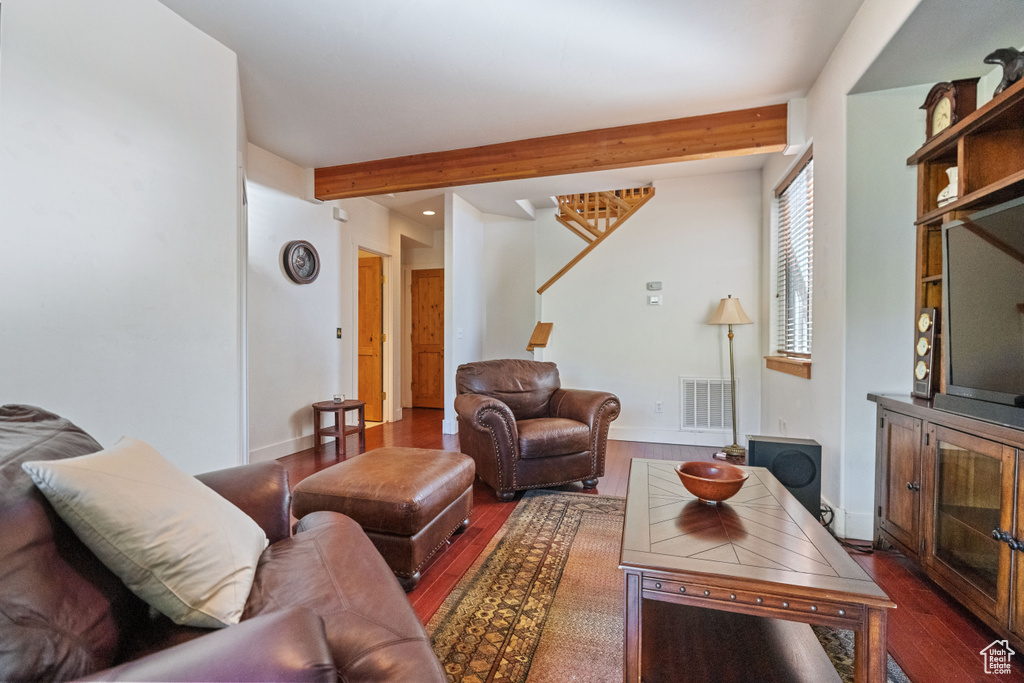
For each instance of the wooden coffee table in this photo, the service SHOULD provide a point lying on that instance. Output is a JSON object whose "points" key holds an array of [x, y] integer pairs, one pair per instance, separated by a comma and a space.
{"points": [[700, 580]]}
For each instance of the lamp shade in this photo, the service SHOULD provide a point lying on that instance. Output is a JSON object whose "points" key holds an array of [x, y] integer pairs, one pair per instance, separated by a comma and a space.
{"points": [[730, 312]]}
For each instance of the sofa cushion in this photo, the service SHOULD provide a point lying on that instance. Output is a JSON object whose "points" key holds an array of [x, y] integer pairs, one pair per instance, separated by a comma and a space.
{"points": [[525, 386], [330, 567], [175, 543], [547, 436], [67, 621]]}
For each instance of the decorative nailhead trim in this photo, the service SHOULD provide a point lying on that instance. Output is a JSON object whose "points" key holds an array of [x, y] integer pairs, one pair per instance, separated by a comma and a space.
{"points": [[494, 442], [431, 553]]}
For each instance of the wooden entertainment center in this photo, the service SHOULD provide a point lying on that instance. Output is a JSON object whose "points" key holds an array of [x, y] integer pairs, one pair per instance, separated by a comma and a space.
{"points": [[949, 489]]}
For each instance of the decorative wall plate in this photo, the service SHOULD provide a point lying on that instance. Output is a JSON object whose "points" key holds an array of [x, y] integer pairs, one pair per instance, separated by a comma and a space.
{"points": [[301, 261]]}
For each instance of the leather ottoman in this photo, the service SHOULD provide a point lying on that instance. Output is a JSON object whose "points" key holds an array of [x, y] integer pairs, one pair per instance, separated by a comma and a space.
{"points": [[409, 501]]}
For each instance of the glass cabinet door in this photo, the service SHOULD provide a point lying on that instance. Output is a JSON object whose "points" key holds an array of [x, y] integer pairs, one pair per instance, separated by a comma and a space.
{"points": [[973, 516]]}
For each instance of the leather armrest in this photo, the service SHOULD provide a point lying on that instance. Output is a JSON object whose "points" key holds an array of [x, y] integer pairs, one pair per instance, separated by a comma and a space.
{"points": [[260, 490], [588, 407], [484, 413], [281, 646]]}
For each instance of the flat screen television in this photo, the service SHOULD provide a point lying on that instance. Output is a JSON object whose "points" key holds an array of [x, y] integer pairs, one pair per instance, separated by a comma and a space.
{"points": [[983, 315]]}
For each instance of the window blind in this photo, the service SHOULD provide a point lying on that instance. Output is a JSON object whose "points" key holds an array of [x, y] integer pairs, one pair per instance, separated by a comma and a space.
{"points": [[795, 266]]}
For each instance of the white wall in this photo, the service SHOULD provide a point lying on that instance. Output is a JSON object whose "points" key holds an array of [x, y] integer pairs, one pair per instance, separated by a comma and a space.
{"points": [[884, 129], [295, 357], [464, 292], [816, 408], [424, 257], [508, 261], [119, 225], [701, 238]]}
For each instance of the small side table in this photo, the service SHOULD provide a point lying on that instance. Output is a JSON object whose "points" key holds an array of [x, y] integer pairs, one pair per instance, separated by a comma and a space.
{"points": [[340, 430]]}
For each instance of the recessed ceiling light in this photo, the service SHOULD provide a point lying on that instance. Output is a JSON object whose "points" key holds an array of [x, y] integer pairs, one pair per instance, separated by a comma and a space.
{"points": [[428, 212]]}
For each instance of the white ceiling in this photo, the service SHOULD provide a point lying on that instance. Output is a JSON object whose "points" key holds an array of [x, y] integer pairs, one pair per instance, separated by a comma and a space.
{"points": [[944, 40], [501, 198], [328, 82]]}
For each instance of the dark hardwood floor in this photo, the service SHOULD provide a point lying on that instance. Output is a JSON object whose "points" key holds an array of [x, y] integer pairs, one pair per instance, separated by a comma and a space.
{"points": [[930, 635]]}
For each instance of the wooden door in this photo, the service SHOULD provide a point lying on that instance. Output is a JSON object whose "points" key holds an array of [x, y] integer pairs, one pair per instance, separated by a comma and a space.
{"points": [[371, 337], [901, 498], [428, 338]]}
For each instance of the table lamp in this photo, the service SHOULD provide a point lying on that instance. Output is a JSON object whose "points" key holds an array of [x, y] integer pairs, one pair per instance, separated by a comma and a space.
{"points": [[730, 313]]}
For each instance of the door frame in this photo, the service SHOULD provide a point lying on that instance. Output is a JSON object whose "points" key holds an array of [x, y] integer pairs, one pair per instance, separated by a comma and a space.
{"points": [[387, 325]]}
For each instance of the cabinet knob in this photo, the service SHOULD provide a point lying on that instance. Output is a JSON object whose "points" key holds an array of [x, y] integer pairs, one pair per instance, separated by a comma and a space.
{"points": [[913, 486], [1005, 537], [1014, 544]]}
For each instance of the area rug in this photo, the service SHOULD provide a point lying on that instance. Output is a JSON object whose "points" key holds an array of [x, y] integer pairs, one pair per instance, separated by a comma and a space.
{"points": [[543, 602]]}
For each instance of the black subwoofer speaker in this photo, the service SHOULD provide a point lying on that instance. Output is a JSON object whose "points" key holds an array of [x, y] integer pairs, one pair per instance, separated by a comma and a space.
{"points": [[796, 463]]}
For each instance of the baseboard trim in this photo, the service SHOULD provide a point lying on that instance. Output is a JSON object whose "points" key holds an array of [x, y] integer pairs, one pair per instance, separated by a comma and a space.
{"points": [[838, 518], [672, 436], [860, 526], [279, 450], [450, 426], [853, 525]]}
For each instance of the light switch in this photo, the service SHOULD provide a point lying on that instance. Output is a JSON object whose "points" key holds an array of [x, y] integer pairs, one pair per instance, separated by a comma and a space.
{"points": [[653, 299], [654, 286]]}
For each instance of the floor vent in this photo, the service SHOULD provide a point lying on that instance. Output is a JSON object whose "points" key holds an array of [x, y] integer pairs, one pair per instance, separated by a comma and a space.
{"points": [[706, 403]]}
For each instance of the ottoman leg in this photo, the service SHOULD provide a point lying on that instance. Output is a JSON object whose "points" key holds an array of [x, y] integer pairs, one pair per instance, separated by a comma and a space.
{"points": [[506, 496], [590, 483], [409, 582], [462, 527]]}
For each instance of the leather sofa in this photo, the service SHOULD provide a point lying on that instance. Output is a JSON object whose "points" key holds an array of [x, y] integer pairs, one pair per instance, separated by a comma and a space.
{"points": [[525, 431], [324, 606]]}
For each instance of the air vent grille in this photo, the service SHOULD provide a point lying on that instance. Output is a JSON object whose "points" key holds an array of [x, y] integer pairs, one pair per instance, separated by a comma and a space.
{"points": [[706, 403]]}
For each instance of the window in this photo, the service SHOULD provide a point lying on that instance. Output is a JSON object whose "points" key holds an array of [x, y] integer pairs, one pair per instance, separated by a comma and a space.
{"points": [[795, 214]]}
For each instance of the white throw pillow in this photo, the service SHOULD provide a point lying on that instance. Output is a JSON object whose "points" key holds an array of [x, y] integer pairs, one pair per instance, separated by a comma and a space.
{"points": [[175, 542]]}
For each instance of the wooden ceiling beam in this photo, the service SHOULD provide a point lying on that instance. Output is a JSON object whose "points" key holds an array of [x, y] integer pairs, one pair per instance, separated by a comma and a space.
{"points": [[733, 133]]}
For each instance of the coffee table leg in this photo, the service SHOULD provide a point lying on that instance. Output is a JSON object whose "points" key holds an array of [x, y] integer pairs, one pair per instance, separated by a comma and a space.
{"points": [[870, 652], [632, 630]]}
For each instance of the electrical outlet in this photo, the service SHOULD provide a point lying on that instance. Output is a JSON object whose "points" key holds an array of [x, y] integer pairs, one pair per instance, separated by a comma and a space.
{"points": [[339, 333], [657, 406]]}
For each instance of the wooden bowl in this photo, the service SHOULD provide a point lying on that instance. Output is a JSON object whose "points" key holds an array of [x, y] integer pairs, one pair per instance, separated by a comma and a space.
{"points": [[711, 482]]}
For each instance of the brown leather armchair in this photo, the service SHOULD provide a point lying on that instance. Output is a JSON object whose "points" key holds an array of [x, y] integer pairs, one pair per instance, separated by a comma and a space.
{"points": [[524, 431]]}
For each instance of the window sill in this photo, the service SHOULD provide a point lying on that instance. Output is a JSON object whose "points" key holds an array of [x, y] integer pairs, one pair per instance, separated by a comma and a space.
{"points": [[799, 367]]}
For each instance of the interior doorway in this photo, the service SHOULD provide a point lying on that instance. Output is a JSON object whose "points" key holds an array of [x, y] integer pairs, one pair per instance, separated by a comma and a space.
{"points": [[371, 334], [428, 338]]}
